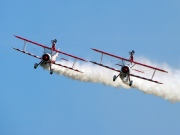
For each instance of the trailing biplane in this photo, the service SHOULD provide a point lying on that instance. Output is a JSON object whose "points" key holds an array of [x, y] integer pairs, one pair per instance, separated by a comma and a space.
{"points": [[125, 72], [49, 56]]}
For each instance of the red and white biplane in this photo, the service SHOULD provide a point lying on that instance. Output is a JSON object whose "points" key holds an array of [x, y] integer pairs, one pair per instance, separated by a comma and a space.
{"points": [[125, 71], [49, 56]]}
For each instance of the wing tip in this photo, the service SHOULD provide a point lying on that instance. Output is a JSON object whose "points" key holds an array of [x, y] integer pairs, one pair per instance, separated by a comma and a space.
{"points": [[93, 49], [17, 36], [85, 60], [164, 71]]}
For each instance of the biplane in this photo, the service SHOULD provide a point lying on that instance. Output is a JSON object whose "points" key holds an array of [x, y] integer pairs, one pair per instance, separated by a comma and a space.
{"points": [[125, 71], [49, 56]]}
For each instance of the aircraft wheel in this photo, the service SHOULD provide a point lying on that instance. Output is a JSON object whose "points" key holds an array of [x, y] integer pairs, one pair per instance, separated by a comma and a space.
{"points": [[130, 83], [114, 78], [51, 71], [35, 65]]}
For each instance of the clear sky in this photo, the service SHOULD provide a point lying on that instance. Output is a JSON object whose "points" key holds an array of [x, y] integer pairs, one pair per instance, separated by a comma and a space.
{"points": [[32, 102]]}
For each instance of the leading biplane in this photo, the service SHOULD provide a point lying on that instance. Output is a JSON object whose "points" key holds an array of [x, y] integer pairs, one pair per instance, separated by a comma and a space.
{"points": [[49, 56], [125, 72]]}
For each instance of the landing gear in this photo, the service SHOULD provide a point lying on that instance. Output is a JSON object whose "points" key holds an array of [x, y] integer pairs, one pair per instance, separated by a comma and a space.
{"points": [[130, 83], [35, 65], [51, 71], [114, 78]]}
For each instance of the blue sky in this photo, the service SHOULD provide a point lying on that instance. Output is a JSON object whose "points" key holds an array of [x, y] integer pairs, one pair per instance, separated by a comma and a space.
{"points": [[32, 102]]}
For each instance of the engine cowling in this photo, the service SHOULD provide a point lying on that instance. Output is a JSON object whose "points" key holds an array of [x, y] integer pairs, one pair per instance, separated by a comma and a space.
{"points": [[125, 69], [46, 57]]}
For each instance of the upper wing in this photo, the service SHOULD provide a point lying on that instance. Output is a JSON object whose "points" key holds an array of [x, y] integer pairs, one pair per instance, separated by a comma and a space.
{"points": [[130, 61], [50, 48], [111, 55], [33, 42], [70, 55], [149, 66]]}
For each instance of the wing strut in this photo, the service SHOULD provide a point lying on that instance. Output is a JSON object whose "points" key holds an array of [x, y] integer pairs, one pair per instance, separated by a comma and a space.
{"points": [[153, 74], [101, 58], [133, 65], [24, 47], [74, 63]]}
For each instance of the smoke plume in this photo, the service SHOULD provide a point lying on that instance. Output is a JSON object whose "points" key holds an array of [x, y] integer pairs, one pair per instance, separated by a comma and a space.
{"points": [[169, 90]]}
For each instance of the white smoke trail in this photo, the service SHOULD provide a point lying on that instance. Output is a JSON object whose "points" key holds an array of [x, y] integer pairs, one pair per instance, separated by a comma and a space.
{"points": [[170, 90], [91, 73]]}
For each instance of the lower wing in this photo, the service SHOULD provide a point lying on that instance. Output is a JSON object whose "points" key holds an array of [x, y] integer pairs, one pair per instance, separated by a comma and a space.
{"points": [[145, 78], [104, 66], [50, 62], [129, 74], [67, 67], [27, 53]]}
